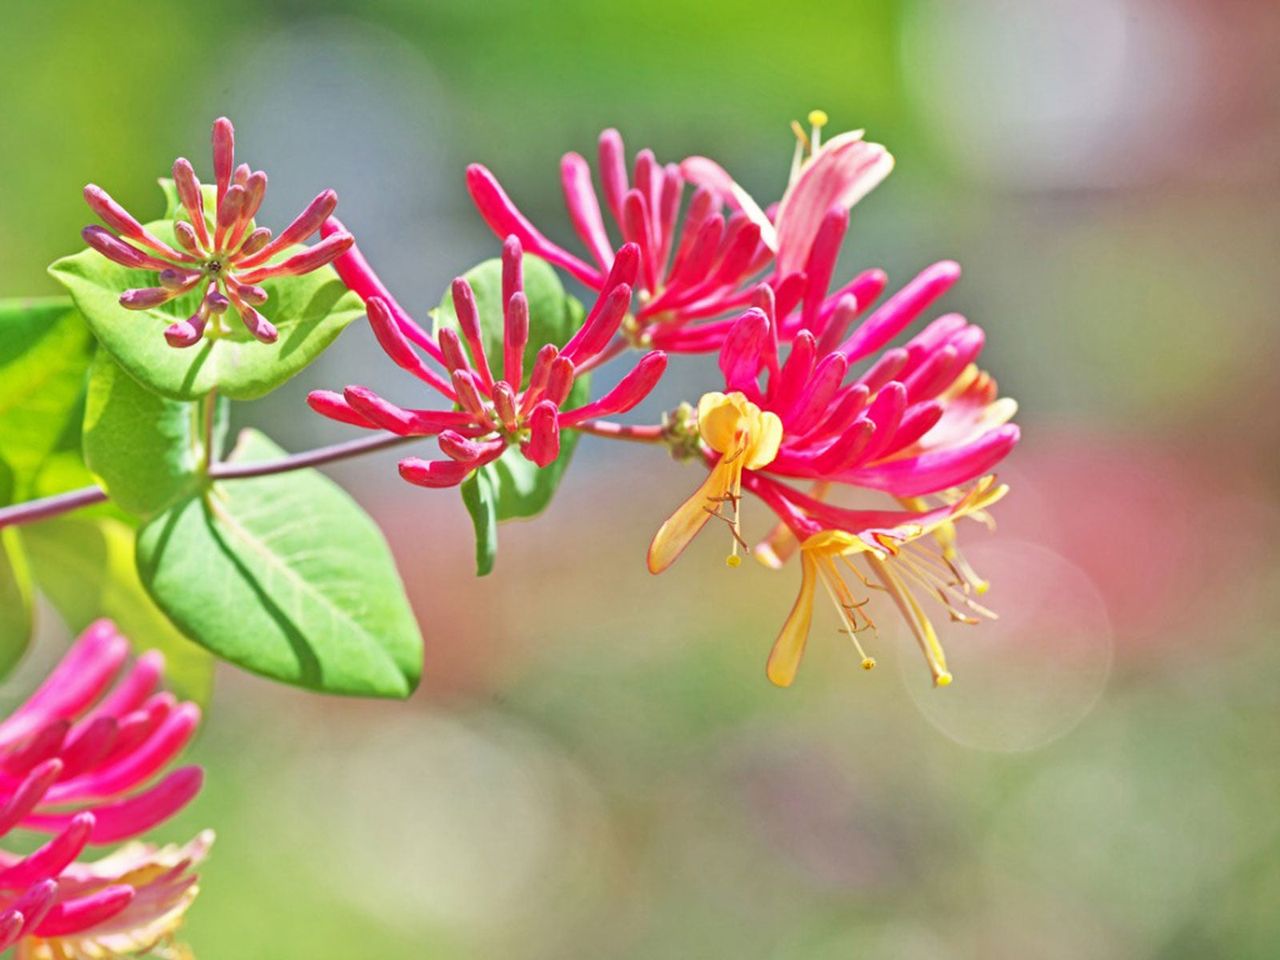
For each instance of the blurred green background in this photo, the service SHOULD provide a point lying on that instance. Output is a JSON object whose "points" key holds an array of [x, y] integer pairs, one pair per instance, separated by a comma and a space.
{"points": [[595, 765]]}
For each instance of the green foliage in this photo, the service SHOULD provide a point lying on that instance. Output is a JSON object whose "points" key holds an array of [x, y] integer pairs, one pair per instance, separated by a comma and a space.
{"points": [[15, 601], [145, 450], [309, 311], [85, 566], [286, 576], [44, 354], [480, 499], [512, 487]]}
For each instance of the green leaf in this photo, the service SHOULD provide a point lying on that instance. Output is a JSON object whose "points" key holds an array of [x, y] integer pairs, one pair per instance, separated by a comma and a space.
{"points": [[45, 349], [85, 567], [309, 311], [146, 451], [480, 499], [15, 601], [513, 487], [286, 576]]}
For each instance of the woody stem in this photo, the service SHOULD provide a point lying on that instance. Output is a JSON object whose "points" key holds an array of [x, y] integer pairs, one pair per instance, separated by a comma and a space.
{"points": [[31, 511]]}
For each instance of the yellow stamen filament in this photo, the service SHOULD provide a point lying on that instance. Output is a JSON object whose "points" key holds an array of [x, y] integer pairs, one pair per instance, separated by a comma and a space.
{"points": [[916, 620], [847, 608], [818, 120]]}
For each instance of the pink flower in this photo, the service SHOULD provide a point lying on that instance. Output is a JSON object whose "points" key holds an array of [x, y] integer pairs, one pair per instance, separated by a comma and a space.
{"points": [[690, 269], [227, 258], [919, 421], [805, 229], [497, 403], [77, 761]]}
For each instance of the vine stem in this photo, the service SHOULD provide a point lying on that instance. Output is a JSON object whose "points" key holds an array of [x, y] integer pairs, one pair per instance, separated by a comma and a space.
{"points": [[43, 508], [621, 431]]}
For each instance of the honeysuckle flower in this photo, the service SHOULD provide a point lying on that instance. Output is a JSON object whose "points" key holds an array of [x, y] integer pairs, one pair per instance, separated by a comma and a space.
{"points": [[745, 438], [806, 227], [895, 547], [692, 268], [496, 405], [220, 251], [78, 760], [916, 422]]}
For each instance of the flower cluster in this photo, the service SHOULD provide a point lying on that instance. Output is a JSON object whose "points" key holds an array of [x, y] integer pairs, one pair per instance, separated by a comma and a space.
{"points": [[219, 250], [76, 761], [497, 406], [816, 397], [697, 269]]}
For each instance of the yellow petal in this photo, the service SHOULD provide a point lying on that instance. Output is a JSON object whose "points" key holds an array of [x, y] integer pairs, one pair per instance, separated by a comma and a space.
{"points": [[784, 659], [690, 517], [766, 438], [719, 419]]}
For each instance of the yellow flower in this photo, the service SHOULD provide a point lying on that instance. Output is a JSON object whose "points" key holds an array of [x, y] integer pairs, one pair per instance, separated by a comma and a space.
{"points": [[897, 559], [747, 438]]}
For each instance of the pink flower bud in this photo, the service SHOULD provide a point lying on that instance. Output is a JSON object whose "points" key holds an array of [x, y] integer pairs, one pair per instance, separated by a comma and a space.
{"points": [[504, 403], [303, 226], [560, 380], [312, 258], [457, 447], [187, 237], [515, 336], [512, 268], [613, 170], [455, 358], [230, 206], [464, 385], [145, 298], [629, 392], [600, 326], [584, 208], [434, 473], [224, 148], [543, 445], [112, 214], [256, 240], [117, 250], [742, 353], [333, 405], [184, 178], [257, 325]]}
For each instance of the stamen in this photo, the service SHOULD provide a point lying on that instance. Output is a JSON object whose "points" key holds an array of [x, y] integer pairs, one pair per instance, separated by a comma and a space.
{"points": [[920, 626], [848, 608], [800, 134], [818, 120]]}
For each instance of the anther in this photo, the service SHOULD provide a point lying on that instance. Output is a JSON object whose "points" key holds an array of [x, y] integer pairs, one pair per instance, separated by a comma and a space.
{"points": [[868, 663]]}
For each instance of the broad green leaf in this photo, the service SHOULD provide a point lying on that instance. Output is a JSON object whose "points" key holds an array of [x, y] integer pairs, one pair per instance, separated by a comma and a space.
{"points": [[15, 601], [85, 567], [45, 349], [481, 502], [514, 488], [309, 311], [286, 576], [145, 450]]}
